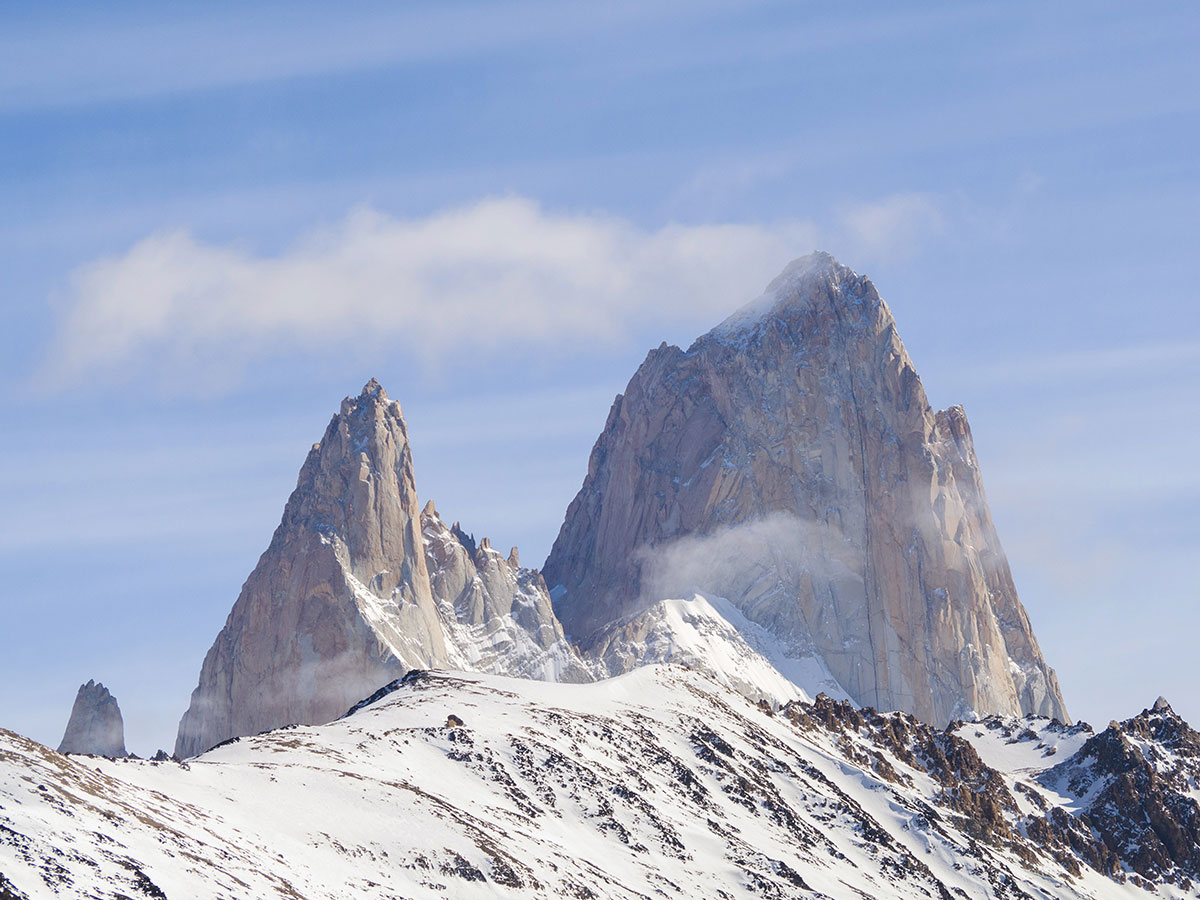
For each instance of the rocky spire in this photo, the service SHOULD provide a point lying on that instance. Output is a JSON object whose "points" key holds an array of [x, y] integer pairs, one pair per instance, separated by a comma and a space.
{"points": [[358, 586], [340, 602], [790, 462], [498, 616], [95, 726]]}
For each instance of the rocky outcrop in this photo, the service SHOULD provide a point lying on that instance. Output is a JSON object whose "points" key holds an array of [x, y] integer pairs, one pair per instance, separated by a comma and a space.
{"points": [[95, 726], [340, 602], [659, 783], [1135, 783], [497, 616], [789, 461]]}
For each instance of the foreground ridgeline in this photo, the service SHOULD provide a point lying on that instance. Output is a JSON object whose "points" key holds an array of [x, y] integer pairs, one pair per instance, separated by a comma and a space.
{"points": [[789, 462], [660, 782], [778, 506], [95, 727]]}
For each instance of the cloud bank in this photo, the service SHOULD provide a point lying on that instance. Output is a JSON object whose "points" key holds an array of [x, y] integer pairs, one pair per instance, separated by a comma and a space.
{"points": [[500, 276]]}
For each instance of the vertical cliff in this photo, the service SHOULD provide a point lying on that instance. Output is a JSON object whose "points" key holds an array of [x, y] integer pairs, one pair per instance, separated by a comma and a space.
{"points": [[340, 602], [789, 461], [357, 587]]}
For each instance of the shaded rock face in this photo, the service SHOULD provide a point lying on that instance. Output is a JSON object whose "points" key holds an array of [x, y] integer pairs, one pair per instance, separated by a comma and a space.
{"points": [[95, 726], [343, 600], [1136, 782], [789, 461], [340, 602]]}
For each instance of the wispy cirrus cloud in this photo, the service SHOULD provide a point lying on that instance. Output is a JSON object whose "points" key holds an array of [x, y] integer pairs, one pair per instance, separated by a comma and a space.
{"points": [[1089, 364], [142, 51], [500, 276]]}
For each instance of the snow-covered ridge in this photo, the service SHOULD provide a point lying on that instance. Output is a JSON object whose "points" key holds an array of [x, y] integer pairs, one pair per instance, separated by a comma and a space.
{"points": [[712, 636], [657, 783]]}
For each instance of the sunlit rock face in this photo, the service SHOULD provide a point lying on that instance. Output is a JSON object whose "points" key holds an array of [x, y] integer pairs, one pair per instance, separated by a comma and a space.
{"points": [[357, 587], [790, 462], [95, 726], [340, 602]]}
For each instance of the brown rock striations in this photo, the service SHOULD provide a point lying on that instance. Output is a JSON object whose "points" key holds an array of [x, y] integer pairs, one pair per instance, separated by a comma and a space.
{"points": [[789, 461], [1135, 782]]}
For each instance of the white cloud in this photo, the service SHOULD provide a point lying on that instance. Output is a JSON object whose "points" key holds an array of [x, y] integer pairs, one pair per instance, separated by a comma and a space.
{"points": [[54, 59], [501, 276]]}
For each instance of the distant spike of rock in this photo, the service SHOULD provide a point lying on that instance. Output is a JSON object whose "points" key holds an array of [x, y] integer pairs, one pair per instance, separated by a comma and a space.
{"points": [[95, 726]]}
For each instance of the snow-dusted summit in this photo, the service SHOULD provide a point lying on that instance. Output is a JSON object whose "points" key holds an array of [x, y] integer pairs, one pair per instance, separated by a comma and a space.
{"points": [[789, 461]]}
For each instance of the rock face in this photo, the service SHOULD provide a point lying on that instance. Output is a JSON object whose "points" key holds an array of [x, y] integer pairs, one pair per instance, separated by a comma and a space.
{"points": [[342, 600], [497, 616], [95, 726], [790, 462]]}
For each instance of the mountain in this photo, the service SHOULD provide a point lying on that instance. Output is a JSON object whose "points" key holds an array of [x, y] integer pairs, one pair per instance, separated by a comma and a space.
{"points": [[95, 727], [658, 783], [786, 471], [1135, 789], [789, 462], [343, 599]]}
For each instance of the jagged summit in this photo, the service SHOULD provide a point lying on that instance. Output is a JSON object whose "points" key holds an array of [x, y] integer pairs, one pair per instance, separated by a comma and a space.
{"points": [[340, 602], [95, 726], [350, 594], [814, 280]]}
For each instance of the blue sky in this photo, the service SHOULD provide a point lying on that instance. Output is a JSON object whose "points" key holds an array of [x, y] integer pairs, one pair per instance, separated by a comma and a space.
{"points": [[217, 220]]}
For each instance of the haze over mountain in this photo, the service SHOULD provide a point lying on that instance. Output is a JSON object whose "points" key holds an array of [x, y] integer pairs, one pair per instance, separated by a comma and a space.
{"points": [[776, 534]]}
